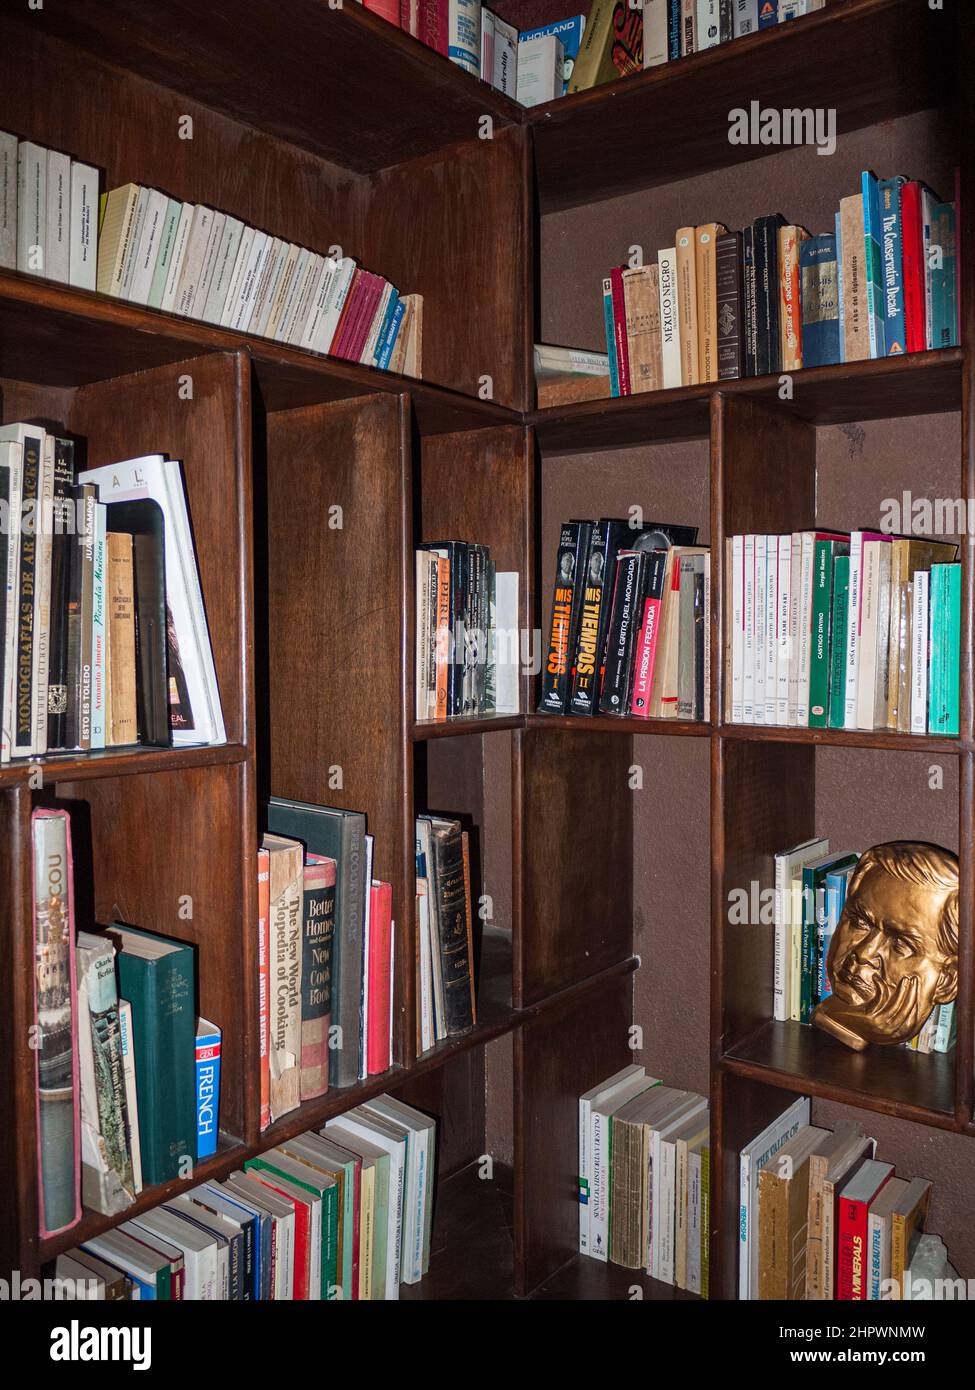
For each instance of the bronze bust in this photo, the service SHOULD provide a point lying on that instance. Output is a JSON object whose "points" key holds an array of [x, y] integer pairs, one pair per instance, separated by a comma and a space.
{"points": [[894, 953]]}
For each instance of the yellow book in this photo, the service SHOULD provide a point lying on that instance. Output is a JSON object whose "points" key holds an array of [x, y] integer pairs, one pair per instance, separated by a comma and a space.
{"points": [[367, 1219], [690, 373], [612, 45], [118, 224]]}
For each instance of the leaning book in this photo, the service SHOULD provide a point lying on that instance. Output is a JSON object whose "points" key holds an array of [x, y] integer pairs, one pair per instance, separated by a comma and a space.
{"points": [[55, 1026]]}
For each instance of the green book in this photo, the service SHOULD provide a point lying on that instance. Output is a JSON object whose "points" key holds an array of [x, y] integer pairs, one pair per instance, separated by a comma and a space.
{"points": [[372, 1157], [814, 924], [837, 658], [825, 554], [320, 1185], [935, 646], [945, 649], [156, 976], [339, 1164], [164, 255]]}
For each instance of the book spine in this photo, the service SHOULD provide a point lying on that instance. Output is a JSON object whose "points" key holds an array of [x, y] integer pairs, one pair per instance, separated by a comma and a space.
{"points": [[318, 931], [669, 318], [610, 326], [748, 301], [619, 331], [8, 201], [893, 267], [646, 647], [819, 644], [348, 958], [208, 1046], [687, 305], [566, 605], [63, 538], [838, 644], [101, 731], [873, 263], [263, 982], [622, 624], [730, 319], [820, 301], [919, 652], [912, 234], [705, 272], [22, 740], [790, 311], [852, 1270], [585, 668]]}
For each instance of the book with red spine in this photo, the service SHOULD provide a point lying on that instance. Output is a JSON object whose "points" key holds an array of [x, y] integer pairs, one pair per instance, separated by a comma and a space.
{"points": [[409, 16], [263, 982], [433, 21], [380, 968], [375, 286], [294, 1195], [853, 1215], [341, 328], [386, 9], [645, 654], [619, 329], [912, 242]]}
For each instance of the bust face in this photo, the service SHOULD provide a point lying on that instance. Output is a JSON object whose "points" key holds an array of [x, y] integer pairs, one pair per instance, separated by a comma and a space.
{"points": [[885, 962]]}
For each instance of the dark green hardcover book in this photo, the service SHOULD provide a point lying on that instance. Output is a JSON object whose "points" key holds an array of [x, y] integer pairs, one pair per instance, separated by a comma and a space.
{"points": [[339, 835], [156, 976], [824, 556], [813, 924], [935, 648], [837, 659]]}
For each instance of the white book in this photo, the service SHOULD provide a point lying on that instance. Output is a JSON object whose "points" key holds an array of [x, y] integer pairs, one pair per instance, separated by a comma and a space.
{"points": [[745, 17], [267, 291], [600, 1121], [279, 1208], [8, 201], [178, 256], [487, 45], [226, 261], [663, 1176], [874, 631], [507, 665], [422, 1155], [782, 609], [131, 257], [540, 62], [83, 233], [707, 29], [99, 632], [256, 261], [127, 1040], [853, 631], [31, 208], [505, 58], [655, 38], [266, 267], [754, 1156], [11, 459], [232, 302], [695, 1214], [425, 609], [795, 586], [57, 239], [788, 865], [376, 1132], [161, 479], [192, 268], [338, 292], [302, 305], [282, 291], [598, 1095], [149, 242], [217, 1227], [669, 318], [198, 1248], [411, 1237], [707, 640], [295, 287], [748, 655], [209, 268], [761, 636], [737, 629], [164, 258], [464, 35], [771, 626], [808, 543], [919, 651]]}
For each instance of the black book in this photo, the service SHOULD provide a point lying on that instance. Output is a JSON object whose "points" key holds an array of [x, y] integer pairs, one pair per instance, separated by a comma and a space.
{"points": [[748, 298], [731, 323], [142, 518], [768, 344], [726, 22], [480, 618], [566, 607], [648, 613], [700, 637], [626, 609], [22, 737], [63, 540], [448, 902]]}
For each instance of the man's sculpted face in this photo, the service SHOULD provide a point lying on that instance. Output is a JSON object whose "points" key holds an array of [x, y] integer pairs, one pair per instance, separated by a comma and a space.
{"points": [[885, 963]]}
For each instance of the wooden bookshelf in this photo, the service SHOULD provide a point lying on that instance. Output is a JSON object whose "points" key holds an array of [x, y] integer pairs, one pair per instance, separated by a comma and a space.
{"points": [[609, 904]]}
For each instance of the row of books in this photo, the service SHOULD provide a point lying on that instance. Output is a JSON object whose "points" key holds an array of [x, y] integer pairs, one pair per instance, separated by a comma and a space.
{"points": [[628, 626], [141, 245], [644, 1178], [445, 974], [128, 1078], [843, 631], [822, 1218], [467, 635], [810, 893], [719, 305], [103, 632], [326, 942], [344, 1213]]}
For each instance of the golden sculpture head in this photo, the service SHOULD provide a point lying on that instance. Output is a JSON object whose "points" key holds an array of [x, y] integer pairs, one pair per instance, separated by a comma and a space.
{"points": [[894, 954]]}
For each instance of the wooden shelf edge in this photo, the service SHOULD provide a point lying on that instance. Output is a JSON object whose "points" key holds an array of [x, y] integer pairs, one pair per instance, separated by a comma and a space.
{"points": [[112, 762], [884, 739], [422, 730], [862, 1100], [608, 723]]}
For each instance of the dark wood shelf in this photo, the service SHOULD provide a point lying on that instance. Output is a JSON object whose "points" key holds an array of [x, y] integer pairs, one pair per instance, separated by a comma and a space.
{"points": [[843, 738], [120, 762], [671, 122], [339, 82], [55, 335], [472, 1243], [610, 724], [587, 1279], [891, 1080], [921, 383], [422, 730]]}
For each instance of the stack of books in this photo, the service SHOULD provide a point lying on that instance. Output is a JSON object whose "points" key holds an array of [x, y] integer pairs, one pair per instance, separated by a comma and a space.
{"points": [[825, 629], [822, 1218], [718, 305], [128, 1077], [48, 213], [344, 1213], [326, 941], [628, 631], [445, 984], [467, 635], [644, 1178], [810, 893], [103, 631]]}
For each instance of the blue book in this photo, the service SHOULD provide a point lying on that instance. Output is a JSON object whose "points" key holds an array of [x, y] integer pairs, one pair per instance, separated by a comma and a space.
{"points": [[892, 251], [944, 289], [207, 1087], [673, 29], [837, 883], [872, 237], [211, 1196], [839, 282], [819, 291], [768, 13], [614, 375], [386, 351], [569, 34], [384, 327]]}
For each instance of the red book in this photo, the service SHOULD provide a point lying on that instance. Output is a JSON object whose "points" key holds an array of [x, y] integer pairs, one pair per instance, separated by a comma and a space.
{"points": [[353, 329], [380, 968], [853, 1212], [619, 328], [432, 24], [302, 1249], [645, 655], [386, 9], [263, 952], [341, 328], [409, 16], [370, 306], [912, 241]]}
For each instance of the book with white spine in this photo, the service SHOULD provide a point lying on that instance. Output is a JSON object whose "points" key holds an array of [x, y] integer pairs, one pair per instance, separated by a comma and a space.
{"points": [[338, 294], [788, 866], [771, 627], [282, 291], [603, 1093], [209, 267], [256, 262], [753, 1157], [11, 459], [131, 1090], [8, 201], [669, 317], [178, 256], [57, 238], [267, 288], [150, 240], [241, 264], [192, 268], [795, 586], [759, 639], [83, 236], [737, 628], [223, 271], [199, 1250], [167, 248], [31, 207], [131, 256], [919, 651], [302, 304], [782, 648], [295, 287]]}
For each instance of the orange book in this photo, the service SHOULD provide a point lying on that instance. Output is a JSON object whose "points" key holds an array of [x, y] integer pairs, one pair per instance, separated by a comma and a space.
{"points": [[263, 953], [443, 635], [790, 303]]}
